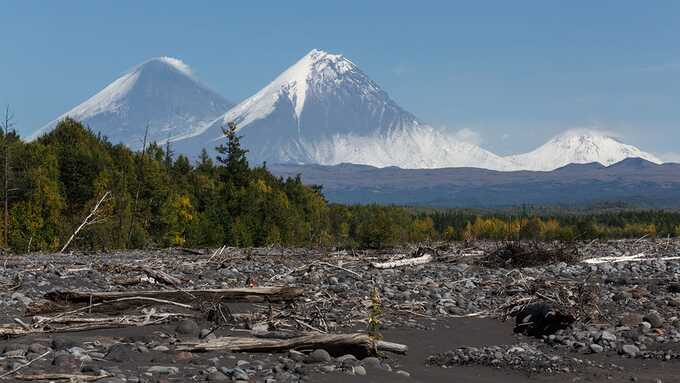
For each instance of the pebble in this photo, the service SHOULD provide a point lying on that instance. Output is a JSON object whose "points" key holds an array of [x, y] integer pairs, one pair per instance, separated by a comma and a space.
{"points": [[67, 361], [609, 337], [26, 301], [371, 361], [183, 356], [360, 370], [218, 377], [328, 368], [38, 348], [170, 370], [296, 355], [630, 350], [188, 327], [206, 333], [120, 353], [596, 348], [239, 374], [654, 319], [61, 343], [632, 320], [318, 356]]}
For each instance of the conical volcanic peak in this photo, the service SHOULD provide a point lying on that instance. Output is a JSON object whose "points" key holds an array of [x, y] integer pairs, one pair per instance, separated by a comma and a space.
{"points": [[162, 93], [324, 109]]}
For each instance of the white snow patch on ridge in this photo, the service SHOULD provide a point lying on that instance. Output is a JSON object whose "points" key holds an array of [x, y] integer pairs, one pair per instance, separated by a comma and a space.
{"points": [[177, 64], [579, 146]]}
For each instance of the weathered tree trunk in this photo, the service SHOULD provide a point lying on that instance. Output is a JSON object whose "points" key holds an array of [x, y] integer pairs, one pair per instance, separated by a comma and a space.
{"points": [[51, 376], [403, 262], [162, 276], [360, 345], [249, 294]]}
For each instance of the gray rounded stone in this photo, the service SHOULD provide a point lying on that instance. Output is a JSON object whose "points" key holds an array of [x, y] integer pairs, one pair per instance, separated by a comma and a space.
{"points": [[318, 356]]}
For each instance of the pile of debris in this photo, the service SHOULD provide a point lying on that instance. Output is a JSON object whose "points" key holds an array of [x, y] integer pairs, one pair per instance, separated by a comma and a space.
{"points": [[516, 254]]}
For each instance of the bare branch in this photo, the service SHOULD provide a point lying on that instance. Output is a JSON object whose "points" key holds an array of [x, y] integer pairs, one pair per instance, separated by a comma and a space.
{"points": [[88, 220]]}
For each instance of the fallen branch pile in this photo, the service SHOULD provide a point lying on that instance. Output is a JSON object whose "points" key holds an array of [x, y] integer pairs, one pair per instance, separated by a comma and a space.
{"points": [[83, 310], [517, 255], [578, 299]]}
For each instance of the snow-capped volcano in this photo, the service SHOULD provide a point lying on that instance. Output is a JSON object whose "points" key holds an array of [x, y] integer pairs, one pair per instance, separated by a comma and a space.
{"points": [[161, 92], [578, 147], [325, 110], [321, 110]]}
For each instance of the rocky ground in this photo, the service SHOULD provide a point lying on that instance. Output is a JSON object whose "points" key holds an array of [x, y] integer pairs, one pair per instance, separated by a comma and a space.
{"points": [[450, 313]]}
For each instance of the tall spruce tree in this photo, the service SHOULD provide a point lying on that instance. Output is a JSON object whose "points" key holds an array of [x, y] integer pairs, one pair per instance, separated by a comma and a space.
{"points": [[233, 157]]}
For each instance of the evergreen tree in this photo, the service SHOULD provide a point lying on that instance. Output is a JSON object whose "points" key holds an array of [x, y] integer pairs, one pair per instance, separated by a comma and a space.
{"points": [[232, 157]]}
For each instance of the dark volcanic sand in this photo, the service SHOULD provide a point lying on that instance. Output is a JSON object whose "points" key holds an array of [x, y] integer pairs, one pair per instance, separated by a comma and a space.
{"points": [[461, 332], [446, 335]]}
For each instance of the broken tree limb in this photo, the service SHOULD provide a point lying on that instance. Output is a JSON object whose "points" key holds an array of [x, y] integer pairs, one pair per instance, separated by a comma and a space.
{"points": [[357, 344], [86, 222], [396, 348], [162, 276], [11, 330], [403, 262], [25, 364], [62, 323], [51, 376], [115, 303], [627, 258], [354, 273], [246, 294]]}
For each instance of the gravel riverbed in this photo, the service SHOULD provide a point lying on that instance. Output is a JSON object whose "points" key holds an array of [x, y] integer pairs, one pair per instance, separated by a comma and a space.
{"points": [[454, 313]]}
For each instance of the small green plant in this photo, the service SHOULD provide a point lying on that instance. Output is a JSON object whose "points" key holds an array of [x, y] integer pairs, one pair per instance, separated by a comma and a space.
{"points": [[374, 314]]}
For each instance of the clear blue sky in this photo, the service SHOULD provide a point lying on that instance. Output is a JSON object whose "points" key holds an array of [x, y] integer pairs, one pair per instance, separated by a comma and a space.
{"points": [[514, 72]]}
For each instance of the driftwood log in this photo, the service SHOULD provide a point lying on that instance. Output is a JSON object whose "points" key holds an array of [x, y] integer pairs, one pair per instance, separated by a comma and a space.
{"points": [[10, 330], [73, 323], [403, 262], [162, 276], [250, 294], [52, 376], [359, 345]]}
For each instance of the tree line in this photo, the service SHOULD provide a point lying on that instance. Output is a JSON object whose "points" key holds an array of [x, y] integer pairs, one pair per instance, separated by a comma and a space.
{"points": [[153, 198]]}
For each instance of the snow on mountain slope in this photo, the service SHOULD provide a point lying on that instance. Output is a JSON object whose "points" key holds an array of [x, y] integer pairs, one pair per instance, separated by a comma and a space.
{"points": [[325, 110], [162, 92], [421, 147], [578, 147]]}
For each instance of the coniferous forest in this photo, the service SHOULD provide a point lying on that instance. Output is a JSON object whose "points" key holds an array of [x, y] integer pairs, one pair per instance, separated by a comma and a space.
{"points": [[152, 198]]}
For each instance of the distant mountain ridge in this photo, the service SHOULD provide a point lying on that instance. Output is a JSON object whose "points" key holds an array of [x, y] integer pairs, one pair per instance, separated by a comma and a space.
{"points": [[578, 147], [633, 180], [321, 110]]}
